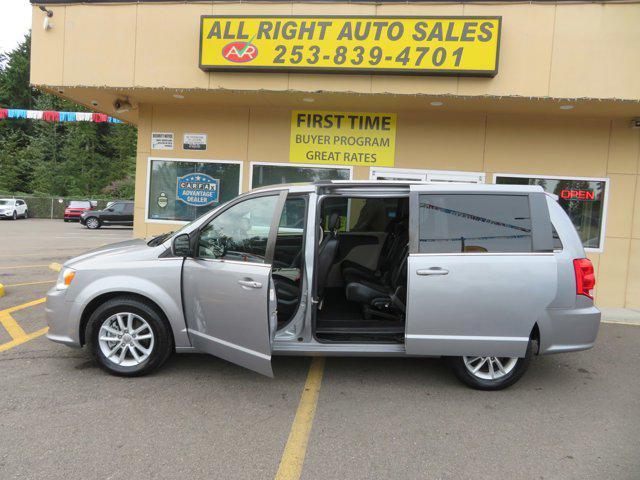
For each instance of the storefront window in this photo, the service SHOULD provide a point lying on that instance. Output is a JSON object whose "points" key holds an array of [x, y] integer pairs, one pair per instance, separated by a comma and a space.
{"points": [[272, 174], [582, 199], [183, 190]]}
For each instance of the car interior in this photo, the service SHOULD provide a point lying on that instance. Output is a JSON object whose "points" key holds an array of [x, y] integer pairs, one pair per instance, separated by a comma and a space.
{"points": [[362, 269]]}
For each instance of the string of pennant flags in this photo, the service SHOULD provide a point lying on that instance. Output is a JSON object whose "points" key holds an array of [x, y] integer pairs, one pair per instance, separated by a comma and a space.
{"points": [[54, 116]]}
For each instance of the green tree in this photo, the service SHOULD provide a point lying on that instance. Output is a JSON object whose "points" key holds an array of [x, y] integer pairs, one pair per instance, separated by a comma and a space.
{"points": [[61, 159]]}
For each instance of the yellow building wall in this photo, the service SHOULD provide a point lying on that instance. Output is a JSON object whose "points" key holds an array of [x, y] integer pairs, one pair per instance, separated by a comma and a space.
{"points": [[588, 147], [547, 50]]}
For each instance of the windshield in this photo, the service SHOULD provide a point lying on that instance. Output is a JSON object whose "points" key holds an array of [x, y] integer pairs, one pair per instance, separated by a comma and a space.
{"points": [[6, 202], [79, 204]]}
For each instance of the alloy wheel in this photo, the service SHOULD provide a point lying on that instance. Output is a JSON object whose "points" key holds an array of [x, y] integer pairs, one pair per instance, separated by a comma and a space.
{"points": [[126, 339], [92, 222], [489, 368]]}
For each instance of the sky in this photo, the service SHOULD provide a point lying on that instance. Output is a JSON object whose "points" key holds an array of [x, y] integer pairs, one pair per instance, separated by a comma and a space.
{"points": [[15, 22]]}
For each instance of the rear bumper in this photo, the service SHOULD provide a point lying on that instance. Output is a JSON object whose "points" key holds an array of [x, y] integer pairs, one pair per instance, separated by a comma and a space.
{"points": [[570, 330], [63, 325]]}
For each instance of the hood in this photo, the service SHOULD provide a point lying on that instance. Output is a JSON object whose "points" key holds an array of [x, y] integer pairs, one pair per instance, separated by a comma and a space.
{"points": [[136, 248]]}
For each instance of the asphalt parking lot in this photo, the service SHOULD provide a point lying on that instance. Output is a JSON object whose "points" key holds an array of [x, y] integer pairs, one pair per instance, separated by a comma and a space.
{"points": [[573, 416]]}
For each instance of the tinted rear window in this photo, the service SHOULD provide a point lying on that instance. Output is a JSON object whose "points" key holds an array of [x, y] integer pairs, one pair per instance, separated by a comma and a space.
{"points": [[474, 223]]}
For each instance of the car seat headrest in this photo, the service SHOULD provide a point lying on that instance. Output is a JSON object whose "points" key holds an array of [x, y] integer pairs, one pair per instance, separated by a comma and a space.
{"points": [[334, 222]]}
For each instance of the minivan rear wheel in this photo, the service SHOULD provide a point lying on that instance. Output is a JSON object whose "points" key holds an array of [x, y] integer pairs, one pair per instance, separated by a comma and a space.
{"points": [[491, 373], [128, 337]]}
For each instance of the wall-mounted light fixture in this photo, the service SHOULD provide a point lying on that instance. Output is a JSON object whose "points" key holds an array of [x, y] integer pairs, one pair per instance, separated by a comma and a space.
{"points": [[122, 105], [46, 24]]}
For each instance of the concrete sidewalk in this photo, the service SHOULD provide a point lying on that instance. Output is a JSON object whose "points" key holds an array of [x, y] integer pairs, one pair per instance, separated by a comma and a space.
{"points": [[621, 315]]}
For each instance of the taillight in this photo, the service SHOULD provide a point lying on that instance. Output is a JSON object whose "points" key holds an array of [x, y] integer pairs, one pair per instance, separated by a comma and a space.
{"points": [[585, 277]]}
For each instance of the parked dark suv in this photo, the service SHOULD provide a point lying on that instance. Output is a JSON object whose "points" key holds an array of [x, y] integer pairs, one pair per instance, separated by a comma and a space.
{"points": [[118, 213]]}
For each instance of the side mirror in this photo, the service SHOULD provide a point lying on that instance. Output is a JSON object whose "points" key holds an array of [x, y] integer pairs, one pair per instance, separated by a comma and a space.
{"points": [[181, 246]]}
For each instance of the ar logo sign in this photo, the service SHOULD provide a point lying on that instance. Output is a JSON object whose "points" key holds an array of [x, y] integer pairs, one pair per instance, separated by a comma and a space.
{"points": [[240, 52]]}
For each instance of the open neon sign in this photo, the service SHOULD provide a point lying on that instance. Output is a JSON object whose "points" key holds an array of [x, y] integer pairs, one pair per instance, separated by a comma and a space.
{"points": [[577, 194]]}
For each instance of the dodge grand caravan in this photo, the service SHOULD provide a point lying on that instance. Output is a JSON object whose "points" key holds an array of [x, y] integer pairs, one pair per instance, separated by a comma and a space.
{"points": [[484, 275]]}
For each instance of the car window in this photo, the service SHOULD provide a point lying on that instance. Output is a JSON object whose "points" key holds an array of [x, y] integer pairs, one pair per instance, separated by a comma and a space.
{"points": [[451, 223], [240, 232], [118, 207], [6, 202], [128, 208], [360, 214], [289, 242]]}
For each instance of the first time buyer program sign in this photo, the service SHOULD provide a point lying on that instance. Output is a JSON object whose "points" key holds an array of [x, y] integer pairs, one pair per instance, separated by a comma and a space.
{"points": [[343, 138], [401, 45]]}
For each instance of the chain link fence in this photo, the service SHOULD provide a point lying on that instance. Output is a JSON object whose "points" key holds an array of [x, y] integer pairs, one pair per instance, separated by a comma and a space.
{"points": [[53, 207]]}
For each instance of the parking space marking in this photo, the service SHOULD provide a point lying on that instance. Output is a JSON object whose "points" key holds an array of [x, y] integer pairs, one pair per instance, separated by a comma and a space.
{"points": [[25, 339], [13, 267], [295, 450], [29, 283], [18, 335]]}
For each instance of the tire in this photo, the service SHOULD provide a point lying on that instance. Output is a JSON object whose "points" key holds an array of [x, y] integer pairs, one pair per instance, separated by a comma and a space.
{"points": [[15, 215], [460, 369], [160, 345], [92, 223], [26, 214], [65, 220]]}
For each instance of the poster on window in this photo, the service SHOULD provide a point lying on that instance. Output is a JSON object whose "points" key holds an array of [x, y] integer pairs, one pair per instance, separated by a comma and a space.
{"points": [[182, 190], [197, 189]]}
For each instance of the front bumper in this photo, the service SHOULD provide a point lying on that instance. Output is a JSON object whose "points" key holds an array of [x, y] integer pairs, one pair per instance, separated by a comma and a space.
{"points": [[64, 322], [7, 214]]}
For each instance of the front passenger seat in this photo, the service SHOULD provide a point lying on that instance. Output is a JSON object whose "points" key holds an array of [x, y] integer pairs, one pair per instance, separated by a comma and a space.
{"points": [[327, 253]]}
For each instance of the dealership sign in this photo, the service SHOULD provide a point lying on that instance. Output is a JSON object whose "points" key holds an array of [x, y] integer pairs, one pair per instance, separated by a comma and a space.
{"points": [[401, 45], [197, 189], [343, 138]]}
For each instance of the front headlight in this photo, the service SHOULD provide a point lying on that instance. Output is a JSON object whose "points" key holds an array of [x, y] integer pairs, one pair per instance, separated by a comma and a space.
{"points": [[65, 278]]}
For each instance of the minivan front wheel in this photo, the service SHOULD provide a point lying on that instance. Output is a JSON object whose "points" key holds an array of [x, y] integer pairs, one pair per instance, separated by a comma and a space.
{"points": [[490, 373], [128, 337]]}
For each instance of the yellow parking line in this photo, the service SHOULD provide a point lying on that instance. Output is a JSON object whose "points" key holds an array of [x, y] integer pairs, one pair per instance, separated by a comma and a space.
{"points": [[294, 452], [29, 283], [23, 305], [18, 335], [24, 339], [13, 267], [11, 326]]}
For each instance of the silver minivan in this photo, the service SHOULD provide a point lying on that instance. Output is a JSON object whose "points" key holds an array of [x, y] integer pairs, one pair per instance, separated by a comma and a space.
{"points": [[484, 275]]}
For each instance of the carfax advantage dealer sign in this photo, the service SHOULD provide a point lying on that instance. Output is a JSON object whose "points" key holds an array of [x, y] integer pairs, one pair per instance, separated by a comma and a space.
{"points": [[401, 45]]}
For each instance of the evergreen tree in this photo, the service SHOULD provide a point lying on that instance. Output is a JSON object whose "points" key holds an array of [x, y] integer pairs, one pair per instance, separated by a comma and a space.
{"points": [[60, 159]]}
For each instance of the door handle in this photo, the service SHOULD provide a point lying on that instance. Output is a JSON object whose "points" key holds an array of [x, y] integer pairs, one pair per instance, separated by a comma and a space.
{"points": [[433, 271], [249, 284]]}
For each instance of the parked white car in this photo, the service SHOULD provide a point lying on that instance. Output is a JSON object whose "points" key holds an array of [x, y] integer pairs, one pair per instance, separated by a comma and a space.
{"points": [[13, 208]]}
